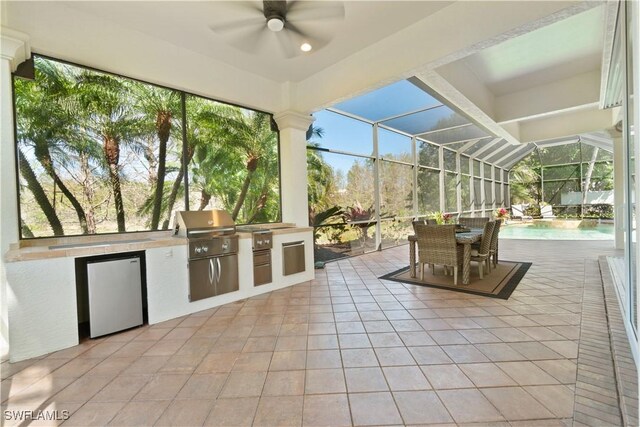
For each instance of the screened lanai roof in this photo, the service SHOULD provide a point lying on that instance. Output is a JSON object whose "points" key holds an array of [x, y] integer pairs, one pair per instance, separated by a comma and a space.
{"points": [[411, 108]]}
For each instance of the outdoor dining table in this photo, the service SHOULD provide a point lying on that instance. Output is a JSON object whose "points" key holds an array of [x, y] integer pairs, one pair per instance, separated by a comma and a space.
{"points": [[465, 238]]}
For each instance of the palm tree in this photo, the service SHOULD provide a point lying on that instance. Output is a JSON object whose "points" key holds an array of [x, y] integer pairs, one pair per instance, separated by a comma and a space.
{"points": [[39, 194], [241, 146], [108, 114], [163, 106], [46, 122]]}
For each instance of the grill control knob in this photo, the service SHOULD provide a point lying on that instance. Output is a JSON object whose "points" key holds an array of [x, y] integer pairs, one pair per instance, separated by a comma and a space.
{"points": [[259, 242], [225, 246], [205, 249], [198, 249], [267, 241]]}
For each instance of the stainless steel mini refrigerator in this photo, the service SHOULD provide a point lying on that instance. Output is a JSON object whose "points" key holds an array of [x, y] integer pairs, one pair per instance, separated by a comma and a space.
{"points": [[115, 295]]}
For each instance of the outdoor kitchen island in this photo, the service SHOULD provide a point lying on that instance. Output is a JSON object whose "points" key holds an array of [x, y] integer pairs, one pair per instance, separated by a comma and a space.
{"points": [[41, 297]]}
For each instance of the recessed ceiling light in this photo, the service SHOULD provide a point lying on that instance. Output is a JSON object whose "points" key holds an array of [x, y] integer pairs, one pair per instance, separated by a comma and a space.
{"points": [[305, 47]]}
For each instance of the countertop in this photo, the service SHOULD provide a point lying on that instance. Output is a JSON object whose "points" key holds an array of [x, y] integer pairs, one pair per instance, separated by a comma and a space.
{"points": [[79, 246]]}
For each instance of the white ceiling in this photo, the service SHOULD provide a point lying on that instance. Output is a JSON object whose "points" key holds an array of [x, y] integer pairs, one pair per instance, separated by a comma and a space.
{"points": [[186, 25], [552, 48], [560, 50]]}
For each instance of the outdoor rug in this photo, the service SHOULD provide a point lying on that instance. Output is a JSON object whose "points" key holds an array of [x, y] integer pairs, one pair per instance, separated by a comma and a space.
{"points": [[500, 283]]}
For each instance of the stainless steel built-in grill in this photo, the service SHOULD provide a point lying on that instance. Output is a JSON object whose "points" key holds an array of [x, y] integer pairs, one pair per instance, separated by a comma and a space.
{"points": [[213, 252], [262, 240]]}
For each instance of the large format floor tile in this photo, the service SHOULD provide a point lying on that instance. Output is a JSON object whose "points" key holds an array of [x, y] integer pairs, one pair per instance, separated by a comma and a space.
{"points": [[344, 349]]}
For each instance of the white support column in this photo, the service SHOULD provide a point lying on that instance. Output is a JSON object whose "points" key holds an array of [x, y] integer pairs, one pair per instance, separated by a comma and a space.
{"points": [[483, 196], [293, 166], [15, 49], [470, 205], [441, 179], [414, 156], [458, 185], [493, 188], [376, 186], [618, 191]]}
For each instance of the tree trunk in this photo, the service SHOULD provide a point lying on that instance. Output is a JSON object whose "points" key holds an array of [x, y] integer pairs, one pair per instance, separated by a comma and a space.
{"points": [[112, 155], [262, 201], [252, 165], [242, 196], [150, 157], [587, 177], [163, 127], [204, 200], [87, 189], [44, 157], [39, 194], [26, 231], [176, 186]]}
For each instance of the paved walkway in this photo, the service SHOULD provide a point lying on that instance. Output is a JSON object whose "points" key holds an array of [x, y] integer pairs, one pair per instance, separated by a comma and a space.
{"points": [[345, 349]]}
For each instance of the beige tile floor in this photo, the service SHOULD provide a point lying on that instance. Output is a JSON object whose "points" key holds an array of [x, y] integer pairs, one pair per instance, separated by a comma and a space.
{"points": [[345, 349]]}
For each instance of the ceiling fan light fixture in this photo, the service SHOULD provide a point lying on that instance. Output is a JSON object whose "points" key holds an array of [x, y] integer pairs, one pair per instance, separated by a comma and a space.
{"points": [[275, 24], [305, 47]]}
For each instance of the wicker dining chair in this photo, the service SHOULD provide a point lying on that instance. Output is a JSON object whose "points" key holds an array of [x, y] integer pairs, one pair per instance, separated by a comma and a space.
{"points": [[422, 222], [494, 242], [475, 222], [483, 253], [437, 245]]}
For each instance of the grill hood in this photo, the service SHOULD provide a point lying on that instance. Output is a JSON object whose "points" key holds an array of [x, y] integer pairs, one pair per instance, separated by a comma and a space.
{"points": [[202, 223]]}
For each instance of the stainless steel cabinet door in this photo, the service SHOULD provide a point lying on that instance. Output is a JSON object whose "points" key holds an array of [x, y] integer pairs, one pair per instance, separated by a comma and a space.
{"points": [[227, 272], [293, 258], [201, 279]]}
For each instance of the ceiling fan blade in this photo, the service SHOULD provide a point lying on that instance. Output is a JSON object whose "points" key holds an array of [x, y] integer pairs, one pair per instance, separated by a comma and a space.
{"points": [[238, 25], [249, 41], [298, 10], [287, 45]]}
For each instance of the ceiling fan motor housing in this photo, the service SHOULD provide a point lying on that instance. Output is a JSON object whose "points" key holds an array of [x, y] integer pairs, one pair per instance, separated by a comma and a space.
{"points": [[275, 23], [275, 12]]}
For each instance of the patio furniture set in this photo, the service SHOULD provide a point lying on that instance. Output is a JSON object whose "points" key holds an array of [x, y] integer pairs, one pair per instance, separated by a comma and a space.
{"points": [[454, 246]]}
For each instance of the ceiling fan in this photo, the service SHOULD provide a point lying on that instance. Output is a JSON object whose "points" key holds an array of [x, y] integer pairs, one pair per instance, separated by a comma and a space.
{"points": [[293, 24]]}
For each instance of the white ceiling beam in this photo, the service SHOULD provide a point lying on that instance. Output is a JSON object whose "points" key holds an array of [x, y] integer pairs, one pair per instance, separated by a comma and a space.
{"points": [[467, 82], [457, 99], [607, 146], [576, 92], [557, 141], [566, 125], [598, 138]]}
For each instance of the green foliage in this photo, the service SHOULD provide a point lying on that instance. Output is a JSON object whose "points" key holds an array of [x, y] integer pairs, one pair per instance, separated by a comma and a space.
{"points": [[442, 217], [524, 180], [102, 153], [236, 160], [334, 214]]}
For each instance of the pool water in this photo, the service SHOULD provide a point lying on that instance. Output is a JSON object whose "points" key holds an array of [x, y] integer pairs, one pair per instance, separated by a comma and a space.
{"points": [[530, 231]]}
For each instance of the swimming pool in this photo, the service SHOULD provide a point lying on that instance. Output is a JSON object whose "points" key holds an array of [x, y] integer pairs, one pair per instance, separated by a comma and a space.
{"points": [[533, 232]]}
